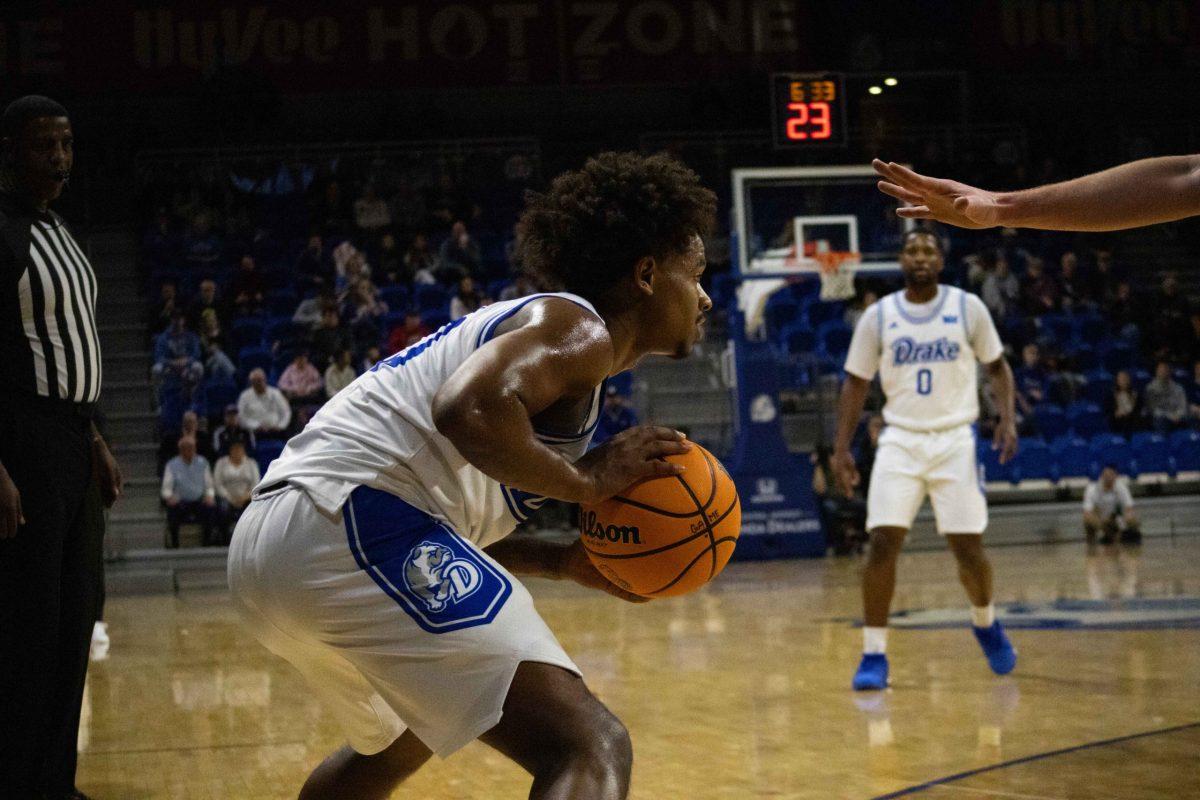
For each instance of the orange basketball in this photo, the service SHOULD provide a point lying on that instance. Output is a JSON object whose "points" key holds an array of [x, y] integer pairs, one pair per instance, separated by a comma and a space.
{"points": [[666, 536]]}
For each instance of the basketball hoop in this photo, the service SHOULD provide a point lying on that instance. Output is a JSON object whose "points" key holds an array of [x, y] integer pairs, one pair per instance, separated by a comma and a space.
{"points": [[837, 273]]}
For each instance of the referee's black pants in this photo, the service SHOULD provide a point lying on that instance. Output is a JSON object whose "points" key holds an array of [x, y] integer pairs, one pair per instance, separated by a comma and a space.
{"points": [[50, 576]]}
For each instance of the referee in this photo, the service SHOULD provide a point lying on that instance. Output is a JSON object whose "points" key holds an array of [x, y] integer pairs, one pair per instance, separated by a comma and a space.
{"points": [[52, 460]]}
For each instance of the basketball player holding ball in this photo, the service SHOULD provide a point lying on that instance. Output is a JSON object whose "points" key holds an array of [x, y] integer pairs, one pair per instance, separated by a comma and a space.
{"points": [[373, 555], [924, 342]]}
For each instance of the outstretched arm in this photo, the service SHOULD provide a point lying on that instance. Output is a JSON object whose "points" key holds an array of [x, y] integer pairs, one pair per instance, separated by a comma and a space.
{"points": [[1132, 195]]}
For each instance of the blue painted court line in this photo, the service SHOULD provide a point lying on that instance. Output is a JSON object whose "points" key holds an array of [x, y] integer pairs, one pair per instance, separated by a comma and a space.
{"points": [[1036, 757]]}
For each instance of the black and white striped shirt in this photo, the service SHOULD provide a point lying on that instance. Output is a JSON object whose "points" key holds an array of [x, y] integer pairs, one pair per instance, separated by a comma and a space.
{"points": [[48, 340]]}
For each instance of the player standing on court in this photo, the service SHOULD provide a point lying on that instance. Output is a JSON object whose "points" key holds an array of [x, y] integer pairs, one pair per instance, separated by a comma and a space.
{"points": [[372, 558], [924, 342], [1144, 192]]}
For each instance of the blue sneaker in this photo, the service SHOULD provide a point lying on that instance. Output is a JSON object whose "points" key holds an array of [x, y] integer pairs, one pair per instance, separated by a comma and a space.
{"points": [[872, 673], [1000, 654]]}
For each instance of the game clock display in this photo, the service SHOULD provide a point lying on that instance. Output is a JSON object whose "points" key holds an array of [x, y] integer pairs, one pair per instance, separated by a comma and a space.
{"points": [[808, 109]]}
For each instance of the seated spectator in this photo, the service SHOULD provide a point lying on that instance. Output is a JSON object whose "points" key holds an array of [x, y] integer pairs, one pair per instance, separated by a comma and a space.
{"points": [[1124, 406], [371, 212], [201, 247], [263, 409], [364, 312], [1111, 529], [231, 431], [466, 299], [1166, 403], [1170, 328], [419, 257], [190, 425], [1122, 310], [164, 308], [412, 331], [234, 477], [1001, 290], [301, 382], [459, 254], [160, 246], [218, 367], [177, 353], [391, 262], [329, 339], [308, 312], [1075, 291], [349, 264], [340, 373], [207, 299], [371, 357], [210, 329], [1039, 291], [247, 287], [521, 287], [1104, 277], [407, 206], [330, 212], [187, 491], [615, 417], [1031, 379], [314, 269]]}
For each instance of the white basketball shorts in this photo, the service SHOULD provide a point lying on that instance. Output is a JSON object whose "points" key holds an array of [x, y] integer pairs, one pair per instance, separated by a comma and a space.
{"points": [[394, 619], [909, 464]]}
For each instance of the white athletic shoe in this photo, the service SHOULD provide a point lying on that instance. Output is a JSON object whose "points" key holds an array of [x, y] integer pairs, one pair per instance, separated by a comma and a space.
{"points": [[99, 648]]}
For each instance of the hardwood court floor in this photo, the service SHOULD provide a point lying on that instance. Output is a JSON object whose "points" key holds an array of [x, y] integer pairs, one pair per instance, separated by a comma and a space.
{"points": [[740, 691]]}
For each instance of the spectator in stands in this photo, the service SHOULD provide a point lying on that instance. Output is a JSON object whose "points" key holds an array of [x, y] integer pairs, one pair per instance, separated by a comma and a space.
{"points": [[391, 262], [412, 331], [330, 211], [234, 477], [466, 299], [843, 518], [408, 207], [1111, 529], [177, 353], [364, 313], [263, 409], [206, 299], [1001, 291], [301, 383], [1074, 290], [160, 246], [1039, 291], [231, 431], [218, 367], [521, 287], [1166, 403], [187, 491], [189, 424], [459, 254], [1124, 406], [419, 258], [371, 357], [615, 417], [340, 373], [371, 213], [1122, 310], [201, 247], [314, 268], [210, 329], [1031, 379], [164, 308], [1170, 328], [247, 287], [308, 312], [329, 339], [1104, 278]]}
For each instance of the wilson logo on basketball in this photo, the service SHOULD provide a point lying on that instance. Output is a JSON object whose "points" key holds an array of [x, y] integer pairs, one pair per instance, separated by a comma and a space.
{"points": [[611, 533]]}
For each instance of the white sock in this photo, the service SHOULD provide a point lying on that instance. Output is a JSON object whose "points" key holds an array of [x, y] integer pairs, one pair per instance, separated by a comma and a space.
{"points": [[874, 640], [983, 616]]}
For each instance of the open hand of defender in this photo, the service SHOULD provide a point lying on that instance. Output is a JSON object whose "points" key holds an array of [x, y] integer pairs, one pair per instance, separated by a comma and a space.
{"points": [[629, 457], [937, 198]]}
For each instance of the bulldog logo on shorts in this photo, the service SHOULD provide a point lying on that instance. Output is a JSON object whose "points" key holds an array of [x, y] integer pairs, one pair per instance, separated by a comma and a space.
{"points": [[434, 575]]}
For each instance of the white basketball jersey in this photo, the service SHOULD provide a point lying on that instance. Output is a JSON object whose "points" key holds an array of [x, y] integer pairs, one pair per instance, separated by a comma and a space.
{"points": [[926, 357], [379, 432]]}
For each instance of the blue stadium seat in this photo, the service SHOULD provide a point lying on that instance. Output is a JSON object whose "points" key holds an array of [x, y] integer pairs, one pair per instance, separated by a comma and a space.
{"points": [[1120, 356], [820, 312], [246, 332], [280, 329], [1109, 448], [989, 459], [799, 338], [1099, 387], [1086, 419], [267, 451], [255, 357], [393, 319], [1091, 328], [1034, 461], [834, 337], [1185, 448], [282, 302], [1072, 458], [218, 396], [430, 297], [1151, 454], [435, 318], [1050, 419], [1085, 357], [1058, 327]]}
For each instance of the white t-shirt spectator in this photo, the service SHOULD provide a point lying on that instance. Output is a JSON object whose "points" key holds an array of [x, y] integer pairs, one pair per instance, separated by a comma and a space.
{"points": [[232, 483], [1105, 503], [268, 411], [337, 378]]}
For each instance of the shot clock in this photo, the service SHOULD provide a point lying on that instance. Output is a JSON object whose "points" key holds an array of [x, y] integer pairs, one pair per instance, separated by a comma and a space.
{"points": [[808, 109]]}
